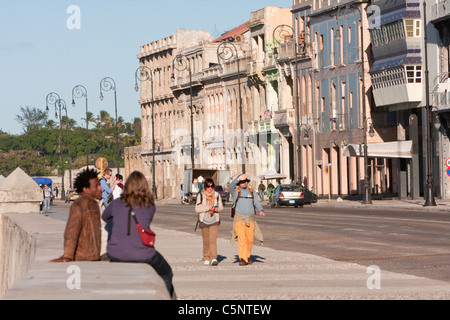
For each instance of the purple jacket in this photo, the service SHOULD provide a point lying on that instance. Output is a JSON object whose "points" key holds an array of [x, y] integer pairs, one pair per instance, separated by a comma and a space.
{"points": [[120, 245]]}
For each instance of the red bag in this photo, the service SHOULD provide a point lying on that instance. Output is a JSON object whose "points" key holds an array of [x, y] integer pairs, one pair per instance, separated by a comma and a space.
{"points": [[148, 237]]}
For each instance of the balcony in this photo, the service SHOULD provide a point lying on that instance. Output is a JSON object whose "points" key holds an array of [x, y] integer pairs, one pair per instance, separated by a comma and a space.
{"points": [[440, 11], [255, 71], [284, 118]]}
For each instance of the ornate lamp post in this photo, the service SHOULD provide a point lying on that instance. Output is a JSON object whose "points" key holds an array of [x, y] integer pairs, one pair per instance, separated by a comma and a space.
{"points": [[107, 84], [79, 92], [227, 52], [280, 33], [145, 74], [53, 99], [181, 63], [367, 194]]}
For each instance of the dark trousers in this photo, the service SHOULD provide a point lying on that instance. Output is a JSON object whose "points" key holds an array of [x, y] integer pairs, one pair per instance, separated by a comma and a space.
{"points": [[161, 267]]}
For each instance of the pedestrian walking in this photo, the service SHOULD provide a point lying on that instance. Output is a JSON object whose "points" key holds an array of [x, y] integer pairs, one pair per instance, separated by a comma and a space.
{"points": [[261, 189], [106, 190], [47, 198], [270, 190], [200, 180], [208, 206], [245, 228], [82, 236], [125, 243]]}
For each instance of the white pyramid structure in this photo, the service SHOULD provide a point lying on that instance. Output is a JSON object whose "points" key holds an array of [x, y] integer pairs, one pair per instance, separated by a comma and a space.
{"points": [[20, 194]]}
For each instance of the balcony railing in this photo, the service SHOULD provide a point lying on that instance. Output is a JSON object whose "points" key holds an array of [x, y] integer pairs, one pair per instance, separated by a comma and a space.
{"points": [[440, 10]]}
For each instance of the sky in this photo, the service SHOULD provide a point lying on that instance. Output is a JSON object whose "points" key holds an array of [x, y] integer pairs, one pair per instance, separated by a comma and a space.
{"points": [[54, 45]]}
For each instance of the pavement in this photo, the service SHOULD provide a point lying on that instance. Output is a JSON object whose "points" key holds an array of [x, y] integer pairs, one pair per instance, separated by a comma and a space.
{"points": [[284, 275], [274, 274]]}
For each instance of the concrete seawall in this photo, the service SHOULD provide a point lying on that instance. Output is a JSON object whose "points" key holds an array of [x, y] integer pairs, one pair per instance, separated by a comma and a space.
{"points": [[29, 241], [17, 250]]}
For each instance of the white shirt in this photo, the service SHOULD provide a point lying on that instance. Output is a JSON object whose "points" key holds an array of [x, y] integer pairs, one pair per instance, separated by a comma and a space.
{"points": [[117, 192]]}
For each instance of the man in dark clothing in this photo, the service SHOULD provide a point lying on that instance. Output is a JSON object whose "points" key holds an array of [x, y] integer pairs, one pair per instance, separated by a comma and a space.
{"points": [[261, 190]]}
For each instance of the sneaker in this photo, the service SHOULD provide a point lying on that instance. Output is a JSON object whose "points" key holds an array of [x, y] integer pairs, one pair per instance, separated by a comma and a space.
{"points": [[206, 262], [214, 262]]}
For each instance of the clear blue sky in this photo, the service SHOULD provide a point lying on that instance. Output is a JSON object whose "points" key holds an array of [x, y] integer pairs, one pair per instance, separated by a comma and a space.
{"points": [[39, 54]]}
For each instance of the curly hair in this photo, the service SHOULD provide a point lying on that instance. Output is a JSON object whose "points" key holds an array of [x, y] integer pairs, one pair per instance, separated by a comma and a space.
{"points": [[137, 191], [83, 179]]}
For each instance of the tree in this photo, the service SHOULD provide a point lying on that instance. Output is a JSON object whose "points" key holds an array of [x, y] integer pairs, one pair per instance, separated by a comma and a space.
{"points": [[31, 118]]}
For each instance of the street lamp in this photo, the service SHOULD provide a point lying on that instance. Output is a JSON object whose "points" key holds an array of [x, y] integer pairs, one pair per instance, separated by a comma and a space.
{"points": [[227, 52], [53, 99], [145, 74], [367, 194], [429, 201], [107, 84], [79, 92], [181, 63], [280, 33], [306, 130], [64, 107]]}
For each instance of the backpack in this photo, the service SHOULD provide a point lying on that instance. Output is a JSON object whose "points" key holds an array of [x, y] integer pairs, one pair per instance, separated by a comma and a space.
{"points": [[233, 208]]}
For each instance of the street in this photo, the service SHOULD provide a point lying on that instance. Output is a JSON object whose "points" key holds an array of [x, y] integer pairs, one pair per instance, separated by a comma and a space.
{"points": [[402, 241]]}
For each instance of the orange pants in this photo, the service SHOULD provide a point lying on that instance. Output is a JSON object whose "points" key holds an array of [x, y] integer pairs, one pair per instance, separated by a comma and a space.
{"points": [[245, 239]]}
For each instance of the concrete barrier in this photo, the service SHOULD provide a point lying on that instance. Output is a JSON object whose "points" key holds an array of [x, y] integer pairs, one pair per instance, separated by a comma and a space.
{"points": [[17, 250], [20, 194], [29, 241]]}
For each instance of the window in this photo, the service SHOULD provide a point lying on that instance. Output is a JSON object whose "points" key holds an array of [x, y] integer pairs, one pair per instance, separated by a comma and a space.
{"points": [[413, 28], [414, 74], [389, 77], [387, 33]]}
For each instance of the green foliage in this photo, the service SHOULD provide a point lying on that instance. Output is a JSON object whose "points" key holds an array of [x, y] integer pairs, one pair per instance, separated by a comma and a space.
{"points": [[37, 151]]}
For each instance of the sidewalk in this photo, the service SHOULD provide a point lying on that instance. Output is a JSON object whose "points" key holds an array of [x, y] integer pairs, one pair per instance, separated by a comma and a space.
{"points": [[282, 275], [392, 203], [441, 205], [287, 275], [274, 275]]}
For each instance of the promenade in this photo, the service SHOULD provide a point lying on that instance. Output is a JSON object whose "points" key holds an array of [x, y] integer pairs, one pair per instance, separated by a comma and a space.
{"points": [[274, 274]]}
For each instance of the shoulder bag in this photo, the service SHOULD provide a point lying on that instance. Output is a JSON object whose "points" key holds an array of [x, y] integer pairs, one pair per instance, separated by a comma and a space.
{"points": [[148, 237]]}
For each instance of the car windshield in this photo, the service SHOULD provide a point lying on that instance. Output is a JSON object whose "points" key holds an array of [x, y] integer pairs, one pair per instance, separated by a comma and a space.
{"points": [[290, 188]]}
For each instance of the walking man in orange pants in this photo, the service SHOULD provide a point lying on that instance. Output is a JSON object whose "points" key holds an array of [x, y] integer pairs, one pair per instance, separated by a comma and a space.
{"points": [[245, 228]]}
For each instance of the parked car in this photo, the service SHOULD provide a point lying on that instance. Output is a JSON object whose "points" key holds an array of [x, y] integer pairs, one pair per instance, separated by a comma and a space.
{"points": [[287, 195], [309, 196], [72, 195], [223, 193]]}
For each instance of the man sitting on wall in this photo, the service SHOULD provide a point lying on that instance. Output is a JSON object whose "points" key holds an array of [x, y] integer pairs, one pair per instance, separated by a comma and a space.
{"points": [[82, 236]]}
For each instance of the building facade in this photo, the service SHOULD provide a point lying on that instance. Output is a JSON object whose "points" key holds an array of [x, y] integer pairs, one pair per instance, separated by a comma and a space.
{"points": [[336, 102]]}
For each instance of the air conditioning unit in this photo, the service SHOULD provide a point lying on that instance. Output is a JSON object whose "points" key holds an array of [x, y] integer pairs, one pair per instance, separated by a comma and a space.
{"points": [[239, 38]]}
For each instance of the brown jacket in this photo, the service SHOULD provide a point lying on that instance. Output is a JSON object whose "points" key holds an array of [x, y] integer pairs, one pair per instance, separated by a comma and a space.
{"points": [[82, 237]]}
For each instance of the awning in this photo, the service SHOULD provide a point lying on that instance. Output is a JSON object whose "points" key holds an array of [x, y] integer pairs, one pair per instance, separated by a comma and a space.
{"points": [[396, 149], [272, 176]]}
